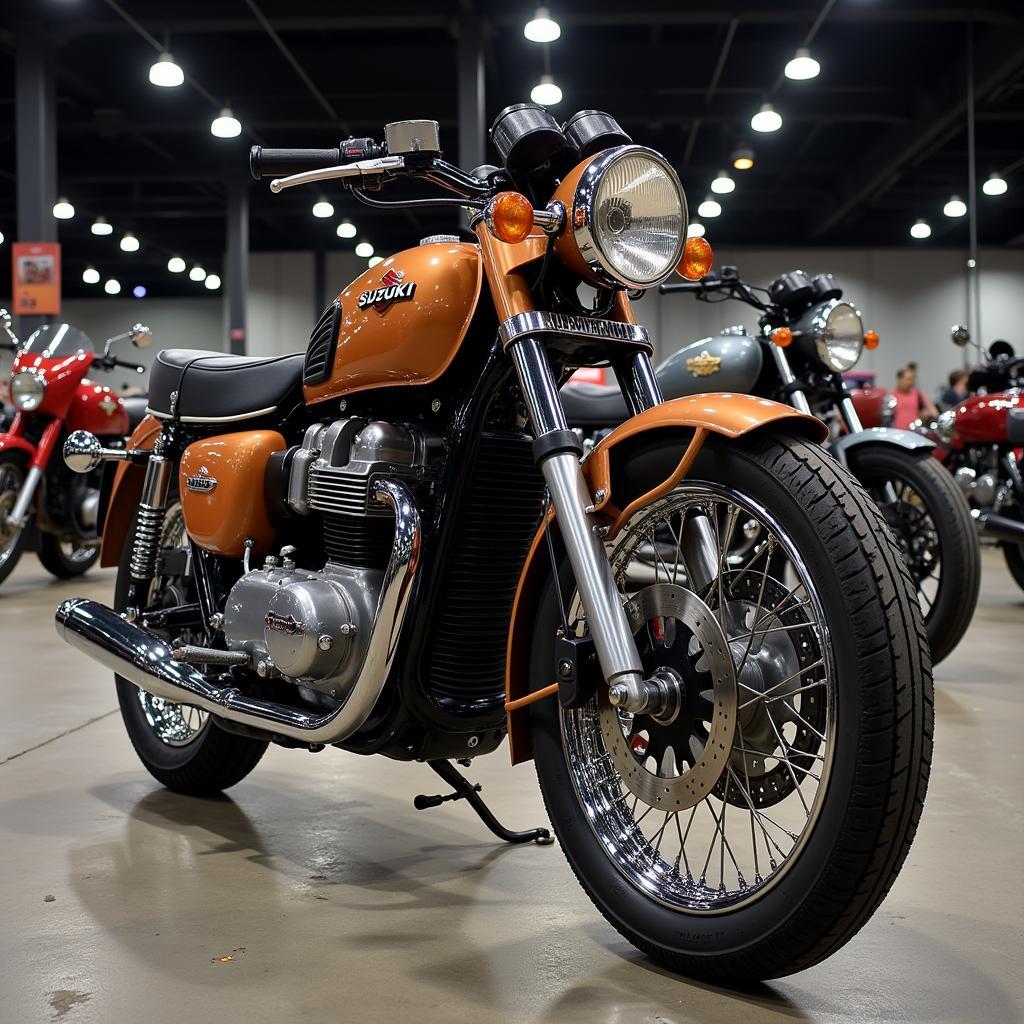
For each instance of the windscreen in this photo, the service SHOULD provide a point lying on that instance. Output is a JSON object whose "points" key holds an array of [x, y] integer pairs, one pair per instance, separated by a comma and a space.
{"points": [[54, 341]]}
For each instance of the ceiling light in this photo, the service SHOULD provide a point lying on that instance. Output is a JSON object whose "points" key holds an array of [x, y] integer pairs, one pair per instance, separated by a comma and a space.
{"points": [[920, 229], [139, 291], [543, 28], [100, 226], [956, 207], [196, 273], [226, 125], [91, 275], [709, 208], [175, 264], [545, 92], [322, 208], [374, 260], [129, 243], [346, 229], [695, 229], [63, 210], [767, 119], [166, 73], [743, 159], [803, 66], [723, 184], [995, 186], [212, 282], [364, 249], [112, 286]]}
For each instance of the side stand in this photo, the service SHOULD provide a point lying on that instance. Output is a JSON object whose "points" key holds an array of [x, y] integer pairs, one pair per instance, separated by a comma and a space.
{"points": [[470, 792]]}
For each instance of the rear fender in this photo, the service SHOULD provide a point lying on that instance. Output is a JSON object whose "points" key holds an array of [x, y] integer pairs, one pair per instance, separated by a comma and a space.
{"points": [[729, 415], [845, 448], [126, 493]]}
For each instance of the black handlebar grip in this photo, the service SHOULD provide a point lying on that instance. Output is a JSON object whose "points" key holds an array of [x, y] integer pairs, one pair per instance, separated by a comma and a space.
{"points": [[264, 162]]}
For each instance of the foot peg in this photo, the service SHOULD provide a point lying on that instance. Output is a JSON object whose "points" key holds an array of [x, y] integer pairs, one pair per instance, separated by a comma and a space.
{"points": [[463, 789]]}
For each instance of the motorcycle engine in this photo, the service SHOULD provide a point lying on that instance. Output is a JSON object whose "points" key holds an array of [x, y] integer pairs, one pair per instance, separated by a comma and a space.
{"points": [[311, 626]]}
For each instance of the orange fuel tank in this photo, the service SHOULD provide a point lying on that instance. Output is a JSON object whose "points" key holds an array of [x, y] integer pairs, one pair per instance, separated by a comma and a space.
{"points": [[403, 321], [222, 497]]}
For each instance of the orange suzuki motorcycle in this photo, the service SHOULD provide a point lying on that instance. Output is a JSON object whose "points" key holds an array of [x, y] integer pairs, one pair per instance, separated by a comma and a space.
{"points": [[389, 544]]}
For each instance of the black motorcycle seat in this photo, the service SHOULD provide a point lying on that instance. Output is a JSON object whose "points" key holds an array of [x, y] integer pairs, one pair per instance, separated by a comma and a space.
{"points": [[593, 405], [211, 387], [135, 406]]}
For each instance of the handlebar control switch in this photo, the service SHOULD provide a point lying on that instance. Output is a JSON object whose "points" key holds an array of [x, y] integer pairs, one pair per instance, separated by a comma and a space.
{"points": [[412, 138]]}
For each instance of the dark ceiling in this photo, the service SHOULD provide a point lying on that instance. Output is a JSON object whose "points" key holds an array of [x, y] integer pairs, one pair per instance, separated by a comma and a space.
{"points": [[877, 140]]}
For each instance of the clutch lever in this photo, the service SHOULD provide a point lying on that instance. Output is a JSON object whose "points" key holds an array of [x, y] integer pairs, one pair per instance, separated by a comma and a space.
{"points": [[367, 171]]}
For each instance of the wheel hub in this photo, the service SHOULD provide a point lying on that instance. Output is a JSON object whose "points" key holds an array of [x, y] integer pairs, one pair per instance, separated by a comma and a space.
{"points": [[673, 756]]}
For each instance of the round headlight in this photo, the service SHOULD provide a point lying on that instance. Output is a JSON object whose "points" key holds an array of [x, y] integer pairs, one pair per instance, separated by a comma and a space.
{"points": [[27, 390], [629, 217], [838, 334]]}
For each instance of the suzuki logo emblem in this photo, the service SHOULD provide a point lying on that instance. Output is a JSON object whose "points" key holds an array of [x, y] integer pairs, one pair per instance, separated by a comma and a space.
{"points": [[201, 482], [395, 289]]}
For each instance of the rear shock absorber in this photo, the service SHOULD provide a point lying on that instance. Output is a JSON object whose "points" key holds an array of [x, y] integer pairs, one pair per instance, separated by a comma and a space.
{"points": [[150, 518]]}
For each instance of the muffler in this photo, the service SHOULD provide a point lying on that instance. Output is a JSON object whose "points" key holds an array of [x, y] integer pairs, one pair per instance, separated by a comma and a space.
{"points": [[146, 661], [997, 527]]}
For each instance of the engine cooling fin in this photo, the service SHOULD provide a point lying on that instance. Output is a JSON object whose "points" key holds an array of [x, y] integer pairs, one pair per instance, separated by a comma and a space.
{"points": [[466, 664]]}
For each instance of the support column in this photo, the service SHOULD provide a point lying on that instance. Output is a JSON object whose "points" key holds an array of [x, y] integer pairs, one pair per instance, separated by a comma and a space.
{"points": [[472, 107], [236, 270], [319, 283], [36, 143]]}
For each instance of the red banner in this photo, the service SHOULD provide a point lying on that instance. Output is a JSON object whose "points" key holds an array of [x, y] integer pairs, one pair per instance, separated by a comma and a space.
{"points": [[35, 268]]}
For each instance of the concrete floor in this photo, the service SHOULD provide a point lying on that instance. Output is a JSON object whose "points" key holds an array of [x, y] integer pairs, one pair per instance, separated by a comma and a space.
{"points": [[317, 892]]}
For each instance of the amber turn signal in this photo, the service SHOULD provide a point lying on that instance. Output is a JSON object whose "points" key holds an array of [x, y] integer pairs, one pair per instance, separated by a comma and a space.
{"points": [[509, 216], [871, 339], [697, 259], [782, 336]]}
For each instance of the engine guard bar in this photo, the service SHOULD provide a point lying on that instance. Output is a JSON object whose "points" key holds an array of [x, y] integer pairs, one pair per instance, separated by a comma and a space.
{"points": [[145, 660]]}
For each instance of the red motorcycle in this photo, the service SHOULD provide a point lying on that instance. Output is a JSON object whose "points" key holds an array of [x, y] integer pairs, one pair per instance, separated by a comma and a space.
{"points": [[981, 442], [52, 396]]}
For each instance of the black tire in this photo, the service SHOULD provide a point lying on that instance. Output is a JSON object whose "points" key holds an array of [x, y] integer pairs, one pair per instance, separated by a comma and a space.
{"points": [[212, 761], [956, 598], [1014, 555], [12, 475], [56, 560], [883, 731]]}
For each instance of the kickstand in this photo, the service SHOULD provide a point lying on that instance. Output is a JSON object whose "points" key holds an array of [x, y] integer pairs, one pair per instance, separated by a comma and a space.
{"points": [[470, 792]]}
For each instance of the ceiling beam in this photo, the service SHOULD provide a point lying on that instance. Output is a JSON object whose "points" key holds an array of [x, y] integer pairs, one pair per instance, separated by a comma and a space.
{"points": [[938, 109]]}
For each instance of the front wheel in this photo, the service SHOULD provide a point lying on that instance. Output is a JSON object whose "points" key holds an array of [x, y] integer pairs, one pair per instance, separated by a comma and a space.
{"points": [[65, 557], [12, 539], [750, 826], [932, 523]]}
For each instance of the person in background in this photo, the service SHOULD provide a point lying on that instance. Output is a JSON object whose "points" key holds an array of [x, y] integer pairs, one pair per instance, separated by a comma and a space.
{"points": [[956, 392], [911, 402]]}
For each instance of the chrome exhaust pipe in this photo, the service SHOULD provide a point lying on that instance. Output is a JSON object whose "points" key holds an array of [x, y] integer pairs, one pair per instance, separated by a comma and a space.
{"points": [[146, 661]]}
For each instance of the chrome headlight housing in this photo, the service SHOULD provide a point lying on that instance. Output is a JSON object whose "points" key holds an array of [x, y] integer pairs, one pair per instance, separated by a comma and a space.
{"points": [[837, 331], [629, 217], [945, 426], [27, 390]]}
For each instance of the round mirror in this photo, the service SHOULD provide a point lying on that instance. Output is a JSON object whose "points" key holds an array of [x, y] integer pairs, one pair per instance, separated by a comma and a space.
{"points": [[960, 335], [141, 335], [1001, 349]]}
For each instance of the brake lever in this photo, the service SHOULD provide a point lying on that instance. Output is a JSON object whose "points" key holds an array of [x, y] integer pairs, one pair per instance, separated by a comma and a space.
{"points": [[371, 170]]}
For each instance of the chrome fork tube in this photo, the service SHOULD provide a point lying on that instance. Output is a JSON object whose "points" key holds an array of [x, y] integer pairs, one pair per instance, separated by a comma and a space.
{"points": [[798, 398], [557, 452], [638, 383], [849, 414], [18, 516]]}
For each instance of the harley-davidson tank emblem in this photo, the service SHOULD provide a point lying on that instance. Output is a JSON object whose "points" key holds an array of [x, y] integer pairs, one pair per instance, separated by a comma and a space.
{"points": [[395, 289], [201, 482], [284, 624], [109, 405], [704, 365]]}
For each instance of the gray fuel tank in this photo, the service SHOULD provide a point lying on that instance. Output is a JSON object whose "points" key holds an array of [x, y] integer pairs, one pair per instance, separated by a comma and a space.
{"points": [[724, 362]]}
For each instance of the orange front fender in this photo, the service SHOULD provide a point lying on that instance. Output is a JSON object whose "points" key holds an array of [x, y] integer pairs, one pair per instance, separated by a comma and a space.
{"points": [[126, 494], [731, 415]]}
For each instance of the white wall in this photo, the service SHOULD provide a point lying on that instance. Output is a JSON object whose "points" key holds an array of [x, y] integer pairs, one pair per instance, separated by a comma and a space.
{"points": [[911, 297]]}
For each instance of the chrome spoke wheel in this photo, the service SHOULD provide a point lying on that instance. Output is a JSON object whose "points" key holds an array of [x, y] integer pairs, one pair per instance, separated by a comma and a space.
{"points": [[706, 804], [177, 725], [11, 480], [917, 536]]}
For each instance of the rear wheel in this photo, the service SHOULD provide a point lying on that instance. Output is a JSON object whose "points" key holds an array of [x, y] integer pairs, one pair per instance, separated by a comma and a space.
{"points": [[749, 828], [66, 557], [1014, 555], [12, 539], [181, 746]]}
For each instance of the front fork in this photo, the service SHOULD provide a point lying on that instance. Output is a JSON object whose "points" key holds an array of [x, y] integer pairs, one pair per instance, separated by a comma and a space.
{"points": [[557, 451], [20, 512]]}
